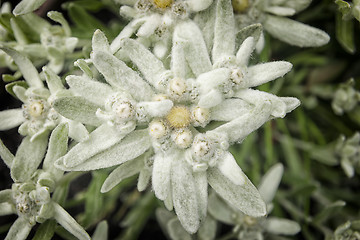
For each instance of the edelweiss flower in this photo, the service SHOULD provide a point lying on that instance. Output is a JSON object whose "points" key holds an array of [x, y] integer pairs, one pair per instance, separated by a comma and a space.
{"points": [[29, 196], [36, 115], [154, 21], [181, 158], [248, 227], [346, 98], [272, 15], [348, 150]]}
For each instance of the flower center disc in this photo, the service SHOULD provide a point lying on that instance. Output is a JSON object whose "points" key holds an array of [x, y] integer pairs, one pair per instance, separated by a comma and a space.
{"points": [[163, 3], [240, 6], [179, 117]]}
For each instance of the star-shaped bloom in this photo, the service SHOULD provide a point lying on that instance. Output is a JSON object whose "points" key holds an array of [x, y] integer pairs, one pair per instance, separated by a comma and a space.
{"points": [[37, 116], [29, 196], [248, 227], [154, 21]]}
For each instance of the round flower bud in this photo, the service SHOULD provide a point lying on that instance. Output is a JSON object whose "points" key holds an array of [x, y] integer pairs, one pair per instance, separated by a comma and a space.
{"points": [[182, 138], [237, 76], [179, 117], [200, 116], [177, 87], [240, 6], [201, 146], [157, 129], [123, 109]]}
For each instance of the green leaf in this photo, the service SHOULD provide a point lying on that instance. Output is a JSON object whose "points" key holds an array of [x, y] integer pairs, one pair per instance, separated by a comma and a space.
{"points": [[26, 6], [329, 210], [345, 9], [53, 81], [176, 231], [253, 30], [9, 87], [45, 231], [345, 33]]}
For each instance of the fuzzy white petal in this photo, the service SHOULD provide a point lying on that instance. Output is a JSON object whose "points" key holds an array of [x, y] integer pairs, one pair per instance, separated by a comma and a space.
{"points": [[11, 118], [161, 173], [230, 169], [230, 109], [244, 52], [270, 182], [281, 226], [265, 72], [245, 198]]}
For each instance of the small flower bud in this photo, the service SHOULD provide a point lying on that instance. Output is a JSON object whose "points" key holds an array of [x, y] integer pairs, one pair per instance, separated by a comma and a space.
{"points": [[162, 3], [182, 138], [177, 87], [200, 116], [157, 129]]}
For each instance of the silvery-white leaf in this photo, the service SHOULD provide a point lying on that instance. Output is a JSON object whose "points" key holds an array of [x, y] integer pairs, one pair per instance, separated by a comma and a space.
{"points": [[169, 201], [101, 231], [207, 231], [295, 33], [348, 167], [58, 145], [119, 75], [150, 25], [202, 192], [144, 179], [230, 169], [58, 17], [197, 6], [277, 106], [242, 126], [83, 65], [230, 109], [19, 35], [161, 173], [149, 65], [6, 155], [20, 93], [298, 5], [245, 198], [244, 52], [78, 109], [26, 67], [178, 61], [99, 140], [123, 171], [206, 22], [132, 146], [11, 118], [6, 196], [19, 230], [220, 210], [265, 72], [27, 6], [211, 99], [184, 194], [224, 36], [100, 42], [270, 182], [195, 51], [127, 32], [53, 81], [176, 231], [291, 103], [6, 209], [93, 91], [69, 223], [280, 11], [156, 108], [28, 157], [77, 131], [281, 226], [213, 79]]}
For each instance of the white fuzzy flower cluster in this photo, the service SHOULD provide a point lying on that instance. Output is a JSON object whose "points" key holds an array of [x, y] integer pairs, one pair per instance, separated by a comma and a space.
{"points": [[151, 101]]}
